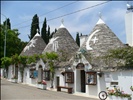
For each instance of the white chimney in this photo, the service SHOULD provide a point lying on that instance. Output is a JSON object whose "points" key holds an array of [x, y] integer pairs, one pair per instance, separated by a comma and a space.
{"points": [[129, 25], [82, 39]]}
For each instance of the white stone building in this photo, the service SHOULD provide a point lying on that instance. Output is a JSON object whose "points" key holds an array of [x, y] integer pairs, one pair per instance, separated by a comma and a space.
{"points": [[129, 24]]}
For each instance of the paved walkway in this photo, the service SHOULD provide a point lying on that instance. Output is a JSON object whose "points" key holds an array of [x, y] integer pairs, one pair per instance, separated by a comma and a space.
{"points": [[15, 91]]}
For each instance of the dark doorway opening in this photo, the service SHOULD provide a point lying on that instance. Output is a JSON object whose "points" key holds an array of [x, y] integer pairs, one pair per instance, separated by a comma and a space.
{"points": [[83, 81], [58, 81]]}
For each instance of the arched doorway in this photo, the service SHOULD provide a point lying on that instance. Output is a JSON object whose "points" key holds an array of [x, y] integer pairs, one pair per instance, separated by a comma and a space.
{"points": [[40, 73], [80, 78], [16, 71]]}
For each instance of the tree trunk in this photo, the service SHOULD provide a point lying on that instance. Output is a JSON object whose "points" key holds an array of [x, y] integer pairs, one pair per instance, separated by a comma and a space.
{"points": [[52, 79], [6, 74]]}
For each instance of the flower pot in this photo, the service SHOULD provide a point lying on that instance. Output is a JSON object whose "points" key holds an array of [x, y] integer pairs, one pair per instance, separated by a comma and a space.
{"points": [[118, 98], [110, 97], [41, 86]]}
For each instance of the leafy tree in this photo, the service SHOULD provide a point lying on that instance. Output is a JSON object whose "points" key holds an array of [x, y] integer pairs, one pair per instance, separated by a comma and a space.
{"points": [[34, 26], [48, 34], [123, 56], [14, 45], [55, 30], [20, 61], [44, 31], [51, 35], [24, 60], [7, 22], [15, 59], [51, 59], [5, 62], [78, 39]]}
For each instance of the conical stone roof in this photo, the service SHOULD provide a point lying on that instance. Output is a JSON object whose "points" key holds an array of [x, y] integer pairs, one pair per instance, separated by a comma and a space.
{"points": [[99, 41], [35, 46], [62, 43]]}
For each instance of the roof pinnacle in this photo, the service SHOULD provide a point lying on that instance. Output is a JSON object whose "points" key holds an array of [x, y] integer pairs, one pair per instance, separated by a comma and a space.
{"points": [[62, 24], [37, 33], [100, 21]]}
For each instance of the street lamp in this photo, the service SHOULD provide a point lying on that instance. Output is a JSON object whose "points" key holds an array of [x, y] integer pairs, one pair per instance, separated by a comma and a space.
{"points": [[5, 36]]}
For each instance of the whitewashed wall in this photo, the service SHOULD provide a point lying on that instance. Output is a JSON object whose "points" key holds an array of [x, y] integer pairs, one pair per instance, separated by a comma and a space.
{"points": [[2, 72], [10, 75], [124, 79], [61, 77], [129, 28], [40, 62], [91, 90], [61, 80], [19, 77], [27, 79], [82, 39]]}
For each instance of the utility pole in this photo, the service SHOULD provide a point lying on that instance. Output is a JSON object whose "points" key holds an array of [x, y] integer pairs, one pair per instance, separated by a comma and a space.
{"points": [[5, 36], [5, 73]]}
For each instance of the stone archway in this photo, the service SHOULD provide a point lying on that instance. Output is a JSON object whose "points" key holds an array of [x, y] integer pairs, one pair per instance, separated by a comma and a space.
{"points": [[80, 66]]}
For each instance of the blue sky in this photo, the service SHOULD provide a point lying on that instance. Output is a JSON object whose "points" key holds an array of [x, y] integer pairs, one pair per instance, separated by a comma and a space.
{"points": [[22, 12]]}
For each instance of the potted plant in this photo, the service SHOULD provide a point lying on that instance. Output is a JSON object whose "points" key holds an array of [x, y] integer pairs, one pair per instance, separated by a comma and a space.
{"points": [[14, 79], [42, 85], [116, 94]]}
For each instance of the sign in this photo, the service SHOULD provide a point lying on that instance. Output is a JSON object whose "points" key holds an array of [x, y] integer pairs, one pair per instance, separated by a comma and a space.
{"points": [[35, 74], [102, 95]]}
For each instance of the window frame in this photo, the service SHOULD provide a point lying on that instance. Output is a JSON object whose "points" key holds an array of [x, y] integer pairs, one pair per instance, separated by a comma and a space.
{"points": [[46, 75], [69, 77], [32, 73], [91, 74]]}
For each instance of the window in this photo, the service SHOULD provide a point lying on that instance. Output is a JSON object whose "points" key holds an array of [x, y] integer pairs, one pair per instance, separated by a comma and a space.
{"points": [[33, 73], [47, 75], [91, 78], [69, 77]]}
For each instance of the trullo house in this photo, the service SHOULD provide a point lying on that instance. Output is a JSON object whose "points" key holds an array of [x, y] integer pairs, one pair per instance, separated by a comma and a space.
{"points": [[65, 46], [92, 74], [35, 46]]}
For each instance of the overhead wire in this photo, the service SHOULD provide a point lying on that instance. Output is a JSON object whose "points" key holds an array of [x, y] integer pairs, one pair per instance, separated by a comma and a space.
{"points": [[69, 13], [49, 12]]}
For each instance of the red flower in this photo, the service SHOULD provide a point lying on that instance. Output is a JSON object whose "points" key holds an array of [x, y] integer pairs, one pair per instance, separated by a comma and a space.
{"points": [[44, 82]]}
